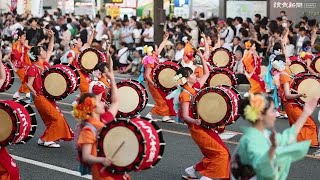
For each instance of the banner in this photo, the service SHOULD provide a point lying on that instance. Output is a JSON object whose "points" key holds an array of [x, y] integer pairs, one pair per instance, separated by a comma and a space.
{"points": [[37, 8], [84, 7]]}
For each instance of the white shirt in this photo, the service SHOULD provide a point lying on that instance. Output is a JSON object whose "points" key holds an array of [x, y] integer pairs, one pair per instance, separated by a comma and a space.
{"points": [[290, 50], [99, 29], [238, 27], [179, 54], [227, 46], [123, 53], [137, 35], [16, 26], [127, 30], [228, 34], [150, 33]]}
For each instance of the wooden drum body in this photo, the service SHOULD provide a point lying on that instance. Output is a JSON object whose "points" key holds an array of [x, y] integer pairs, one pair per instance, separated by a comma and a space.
{"points": [[89, 58], [216, 106], [221, 76], [306, 84], [315, 65], [222, 58], [18, 122], [164, 75], [9, 78], [133, 98], [136, 144], [59, 81], [297, 65]]}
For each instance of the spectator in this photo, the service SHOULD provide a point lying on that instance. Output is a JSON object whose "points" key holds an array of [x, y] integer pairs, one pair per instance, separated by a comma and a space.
{"points": [[126, 34], [236, 45], [83, 32], [180, 51], [123, 55], [238, 24], [148, 34], [99, 28], [302, 37], [137, 34], [66, 36], [35, 35], [116, 36], [228, 32]]}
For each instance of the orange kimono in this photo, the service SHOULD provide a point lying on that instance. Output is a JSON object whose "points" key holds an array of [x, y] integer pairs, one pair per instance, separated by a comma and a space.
{"points": [[56, 125], [84, 77], [86, 136], [21, 61], [216, 161], [309, 130], [253, 65], [163, 107]]}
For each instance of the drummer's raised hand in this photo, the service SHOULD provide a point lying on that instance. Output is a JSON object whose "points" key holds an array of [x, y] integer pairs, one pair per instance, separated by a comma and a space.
{"points": [[166, 36], [203, 35]]}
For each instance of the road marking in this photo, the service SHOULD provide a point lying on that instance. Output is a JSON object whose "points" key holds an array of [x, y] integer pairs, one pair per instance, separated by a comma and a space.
{"points": [[223, 136], [51, 167]]}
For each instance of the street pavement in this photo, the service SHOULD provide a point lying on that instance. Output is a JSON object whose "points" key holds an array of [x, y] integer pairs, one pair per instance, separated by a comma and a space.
{"points": [[38, 163]]}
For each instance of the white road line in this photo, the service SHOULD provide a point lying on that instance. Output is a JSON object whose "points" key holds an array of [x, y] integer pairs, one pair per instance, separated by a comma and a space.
{"points": [[51, 167], [223, 136]]}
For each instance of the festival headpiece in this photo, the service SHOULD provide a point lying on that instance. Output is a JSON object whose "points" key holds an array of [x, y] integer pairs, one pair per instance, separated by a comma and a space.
{"points": [[248, 44], [83, 110], [253, 110], [147, 49], [278, 65]]}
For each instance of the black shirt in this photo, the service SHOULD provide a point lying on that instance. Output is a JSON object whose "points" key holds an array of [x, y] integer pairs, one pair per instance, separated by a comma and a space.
{"points": [[34, 36]]}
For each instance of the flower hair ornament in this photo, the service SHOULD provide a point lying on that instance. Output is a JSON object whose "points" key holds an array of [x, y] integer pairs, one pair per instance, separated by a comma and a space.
{"points": [[277, 52], [147, 49], [31, 55], [248, 44], [180, 80], [278, 65], [255, 107], [83, 111]]}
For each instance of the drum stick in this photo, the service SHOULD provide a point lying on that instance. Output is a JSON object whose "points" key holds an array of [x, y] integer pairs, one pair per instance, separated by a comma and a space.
{"points": [[114, 154]]}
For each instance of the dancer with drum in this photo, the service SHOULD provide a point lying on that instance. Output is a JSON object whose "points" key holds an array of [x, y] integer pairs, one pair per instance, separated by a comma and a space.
{"points": [[265, 154], [56, 125], [89, 110], [163, 107], [292, 108], [21, 61], [8, 168], [252, 65], [215, 164], [72, 58], [307, 56]]}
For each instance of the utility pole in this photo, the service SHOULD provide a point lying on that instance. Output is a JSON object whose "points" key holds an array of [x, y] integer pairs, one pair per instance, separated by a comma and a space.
{"points": [[157, 14]]}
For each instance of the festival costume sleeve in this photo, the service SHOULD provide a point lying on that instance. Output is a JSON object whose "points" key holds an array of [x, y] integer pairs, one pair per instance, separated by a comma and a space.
{"points": [[84, 82], [309, 131], [21, 72], [8, 167]]}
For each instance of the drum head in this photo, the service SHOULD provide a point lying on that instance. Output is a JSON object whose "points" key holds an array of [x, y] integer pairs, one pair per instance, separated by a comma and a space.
{"points": [[89, 60], [317, 66], [221, 58], [297, 68], [220, 79], [212, 107], [310, 87], [128, 152], [166, 78], [55, 84], [129, 99], [6, 125]]}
